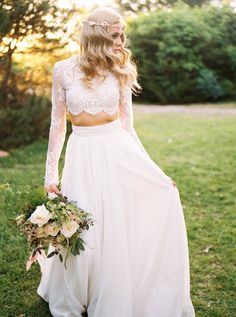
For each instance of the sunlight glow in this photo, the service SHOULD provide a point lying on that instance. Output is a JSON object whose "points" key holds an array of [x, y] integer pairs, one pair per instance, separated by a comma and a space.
{"points": [[84, 3]]}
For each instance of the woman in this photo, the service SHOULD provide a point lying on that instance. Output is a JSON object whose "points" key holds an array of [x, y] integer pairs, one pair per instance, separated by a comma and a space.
{"points": [[136, 259]]}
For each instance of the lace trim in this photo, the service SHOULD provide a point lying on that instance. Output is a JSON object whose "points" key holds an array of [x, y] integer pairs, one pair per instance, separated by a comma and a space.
{"points": [[103, 97], [94, 111]]}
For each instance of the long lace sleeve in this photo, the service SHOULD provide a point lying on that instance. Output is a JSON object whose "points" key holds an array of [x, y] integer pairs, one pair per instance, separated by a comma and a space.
{"points": [[126, 115], [57, 130]]}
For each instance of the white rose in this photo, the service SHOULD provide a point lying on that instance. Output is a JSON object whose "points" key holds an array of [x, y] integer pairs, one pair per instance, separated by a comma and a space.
{"points": [[52, 195], [69, 228], [40, 216]]}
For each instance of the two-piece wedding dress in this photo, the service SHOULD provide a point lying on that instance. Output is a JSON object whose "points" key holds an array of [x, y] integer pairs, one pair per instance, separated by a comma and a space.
{"points": [[136, 259]]}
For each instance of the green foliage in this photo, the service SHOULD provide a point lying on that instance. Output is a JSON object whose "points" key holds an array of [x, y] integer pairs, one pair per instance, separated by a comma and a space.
{"points": [[186, 54], [77, 246], [29, 22], [26, 120], [208, 84], [198, 153], [137, 6], [24, 17]]}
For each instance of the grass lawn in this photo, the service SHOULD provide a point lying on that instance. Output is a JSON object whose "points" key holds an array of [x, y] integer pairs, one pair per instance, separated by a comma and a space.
{"points": [[199, 153], [215, 105]]}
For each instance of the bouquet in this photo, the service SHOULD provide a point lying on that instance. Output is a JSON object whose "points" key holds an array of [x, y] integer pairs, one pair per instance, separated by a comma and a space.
{"points": [[55, 221]]}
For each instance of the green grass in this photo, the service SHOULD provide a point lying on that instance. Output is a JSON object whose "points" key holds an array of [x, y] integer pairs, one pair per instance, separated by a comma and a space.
{"points": [[215, 105], [199, 154]]}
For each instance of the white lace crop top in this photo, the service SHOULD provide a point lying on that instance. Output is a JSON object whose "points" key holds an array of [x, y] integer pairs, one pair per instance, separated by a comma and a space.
{"points": [[70, 95]]}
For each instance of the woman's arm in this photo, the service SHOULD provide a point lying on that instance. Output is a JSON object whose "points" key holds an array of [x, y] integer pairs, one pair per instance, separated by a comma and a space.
{"points": [[57, 130], [126, 114]]}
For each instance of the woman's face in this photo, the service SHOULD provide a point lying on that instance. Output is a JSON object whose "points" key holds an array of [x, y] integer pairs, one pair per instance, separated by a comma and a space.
{"points": [[117, 33]]}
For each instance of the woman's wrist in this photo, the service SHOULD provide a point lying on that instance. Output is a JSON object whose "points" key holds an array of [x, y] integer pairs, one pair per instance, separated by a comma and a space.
{"points": [[52, 188], [50, 182]]}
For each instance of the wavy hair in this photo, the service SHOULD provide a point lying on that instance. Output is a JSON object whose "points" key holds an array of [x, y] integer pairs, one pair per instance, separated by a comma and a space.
{"points": [[96, 50]]}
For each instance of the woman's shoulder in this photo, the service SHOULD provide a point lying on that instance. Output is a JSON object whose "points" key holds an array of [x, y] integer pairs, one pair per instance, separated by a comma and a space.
{"points": [[67, 69], [67, 63]]}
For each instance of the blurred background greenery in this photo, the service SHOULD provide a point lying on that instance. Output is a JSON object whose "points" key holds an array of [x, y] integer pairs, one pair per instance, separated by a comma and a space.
{"points": [[185, 50]]}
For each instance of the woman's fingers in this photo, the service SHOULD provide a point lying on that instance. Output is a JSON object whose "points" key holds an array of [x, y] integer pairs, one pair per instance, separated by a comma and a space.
{"points": [[173, 182], [52, 189]]}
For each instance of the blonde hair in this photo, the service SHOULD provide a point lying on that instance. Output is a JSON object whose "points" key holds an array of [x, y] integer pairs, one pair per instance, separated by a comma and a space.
{"points": [[96, 53]]}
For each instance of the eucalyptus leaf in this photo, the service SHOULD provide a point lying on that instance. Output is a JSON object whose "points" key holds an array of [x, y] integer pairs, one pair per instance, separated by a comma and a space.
{"points": [[51, 254], [60, 257]]}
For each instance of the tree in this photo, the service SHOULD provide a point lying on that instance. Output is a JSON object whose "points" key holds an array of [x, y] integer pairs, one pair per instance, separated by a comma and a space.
{"points": [[186, 54], [37, 21], [133, 7]]}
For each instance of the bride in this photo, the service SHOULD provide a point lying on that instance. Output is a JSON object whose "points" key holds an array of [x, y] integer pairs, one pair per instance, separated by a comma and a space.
{"points": [[136, 259]]}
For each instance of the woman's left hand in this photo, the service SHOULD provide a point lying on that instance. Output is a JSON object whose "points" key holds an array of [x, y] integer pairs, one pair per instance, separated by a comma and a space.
{"points": [[173, 182]]}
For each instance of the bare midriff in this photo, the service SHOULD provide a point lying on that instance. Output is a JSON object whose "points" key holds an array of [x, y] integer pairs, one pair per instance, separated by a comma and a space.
{"points": [[87, 119]]}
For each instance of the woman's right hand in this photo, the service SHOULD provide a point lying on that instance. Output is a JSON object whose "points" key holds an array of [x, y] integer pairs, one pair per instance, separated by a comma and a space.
{"points": [[52, 189]]}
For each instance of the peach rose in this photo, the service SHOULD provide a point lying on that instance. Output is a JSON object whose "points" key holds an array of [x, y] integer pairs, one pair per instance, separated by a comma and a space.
{"points": [[69, 228], [51, 229]]}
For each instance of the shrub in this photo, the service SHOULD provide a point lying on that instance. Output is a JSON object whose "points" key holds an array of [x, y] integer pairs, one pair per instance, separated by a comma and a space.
{"points": [[208, 84], [24, 121], [186, 54]]}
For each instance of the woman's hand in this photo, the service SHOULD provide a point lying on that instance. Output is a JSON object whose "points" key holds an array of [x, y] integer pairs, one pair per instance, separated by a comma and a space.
{"points": [[52, 189], [173, 182]]}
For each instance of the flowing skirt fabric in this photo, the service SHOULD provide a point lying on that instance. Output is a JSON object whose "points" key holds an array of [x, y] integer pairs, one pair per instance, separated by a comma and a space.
{"points": [[136, 259]]}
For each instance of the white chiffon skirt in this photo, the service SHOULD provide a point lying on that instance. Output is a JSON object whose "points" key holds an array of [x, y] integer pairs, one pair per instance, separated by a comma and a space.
{"points": [[136, 259]]}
